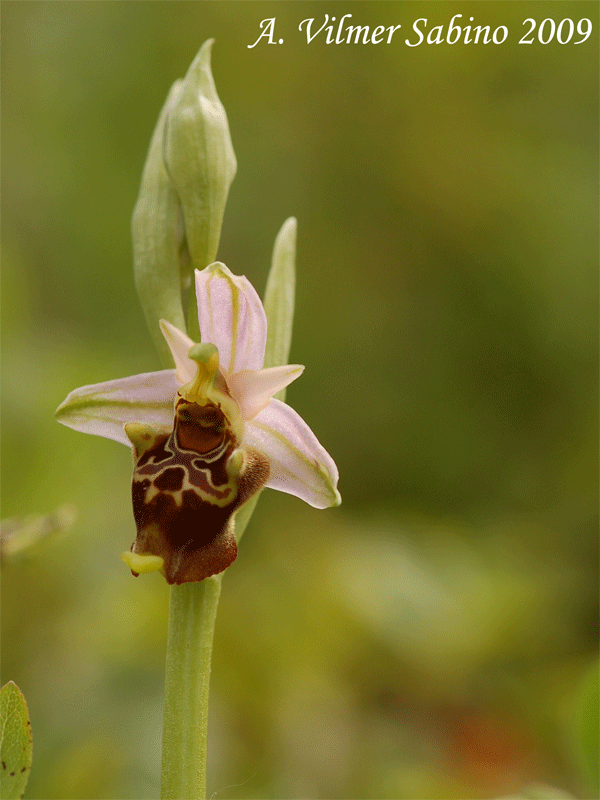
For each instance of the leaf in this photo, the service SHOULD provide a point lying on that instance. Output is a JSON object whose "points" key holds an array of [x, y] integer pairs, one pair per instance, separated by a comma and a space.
{"points": [[15, 742], [279, 298]]}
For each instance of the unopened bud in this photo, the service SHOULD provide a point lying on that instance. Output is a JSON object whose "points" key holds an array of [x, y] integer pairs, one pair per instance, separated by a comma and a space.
{"points": [[199, 158]]}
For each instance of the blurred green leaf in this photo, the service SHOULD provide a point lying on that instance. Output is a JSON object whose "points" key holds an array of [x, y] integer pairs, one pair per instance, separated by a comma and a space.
{"points": [[26, 535], [15, 742]]}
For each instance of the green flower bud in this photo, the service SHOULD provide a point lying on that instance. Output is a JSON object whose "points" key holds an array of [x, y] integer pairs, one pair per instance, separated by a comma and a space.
{"points": [[177, 219], [200, 160]]}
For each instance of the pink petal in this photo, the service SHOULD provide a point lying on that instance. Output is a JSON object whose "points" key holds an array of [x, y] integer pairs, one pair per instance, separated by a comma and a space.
{"points": [[103, 408], [179, 344], [253, 389], [299, 464], [231, 316]]}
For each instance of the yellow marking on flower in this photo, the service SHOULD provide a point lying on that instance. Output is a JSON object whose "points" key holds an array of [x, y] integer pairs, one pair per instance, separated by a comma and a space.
{"points": [[227, 490], [143, 437], [140, 563]]}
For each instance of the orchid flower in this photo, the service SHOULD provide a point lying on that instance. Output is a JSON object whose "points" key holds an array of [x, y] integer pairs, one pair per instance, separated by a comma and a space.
{"points": [[206, 435]]}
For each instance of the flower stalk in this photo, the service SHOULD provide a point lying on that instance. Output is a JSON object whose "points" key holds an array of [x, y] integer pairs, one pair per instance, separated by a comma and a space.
{"points": [[192, 615]]}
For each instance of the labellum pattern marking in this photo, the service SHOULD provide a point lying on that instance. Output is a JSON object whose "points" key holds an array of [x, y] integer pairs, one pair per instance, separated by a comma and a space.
{"points": [[186, 486]]}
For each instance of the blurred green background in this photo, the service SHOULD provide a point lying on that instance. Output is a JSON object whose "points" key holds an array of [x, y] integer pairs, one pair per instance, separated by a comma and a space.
{"points": [[435, 637]]}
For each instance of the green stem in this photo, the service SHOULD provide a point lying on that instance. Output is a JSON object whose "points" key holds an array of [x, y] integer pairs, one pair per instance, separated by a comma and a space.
{"points": [[192, 614]]}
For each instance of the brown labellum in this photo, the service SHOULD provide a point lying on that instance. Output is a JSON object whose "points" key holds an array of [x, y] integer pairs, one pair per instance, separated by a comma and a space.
{"points": [[187, 484]]}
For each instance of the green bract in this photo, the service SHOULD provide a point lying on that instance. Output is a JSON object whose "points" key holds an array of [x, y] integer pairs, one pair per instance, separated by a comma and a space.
{"points": [[159, 249], [279, 298]]}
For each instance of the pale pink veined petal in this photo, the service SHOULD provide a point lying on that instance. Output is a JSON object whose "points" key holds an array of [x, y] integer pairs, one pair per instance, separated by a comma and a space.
{"points": [[179, 344], [253, 389], [232, 317], [103, 408], [299, 464]]}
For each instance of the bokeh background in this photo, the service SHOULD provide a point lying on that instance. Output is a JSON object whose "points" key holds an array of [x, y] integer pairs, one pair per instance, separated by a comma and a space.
{"points": [[435, 636]]}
